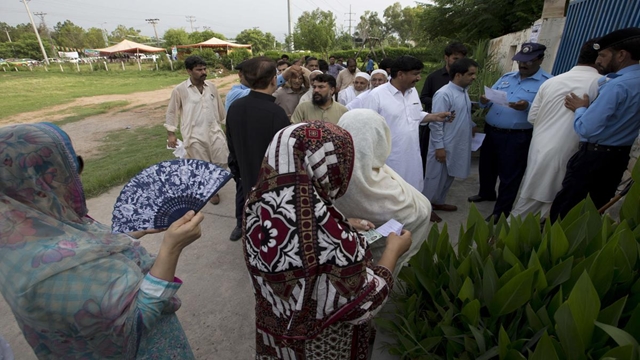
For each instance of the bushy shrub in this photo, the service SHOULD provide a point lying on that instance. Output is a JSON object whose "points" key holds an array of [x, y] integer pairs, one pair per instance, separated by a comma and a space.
{"points": [[235, 57], [514, 291]]}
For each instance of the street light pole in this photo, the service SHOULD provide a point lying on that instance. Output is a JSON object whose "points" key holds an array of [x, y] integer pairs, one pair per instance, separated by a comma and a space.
{"points": [[35, 29], [154, 22]]}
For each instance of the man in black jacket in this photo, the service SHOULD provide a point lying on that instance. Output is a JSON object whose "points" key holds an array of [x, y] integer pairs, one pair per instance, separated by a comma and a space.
{"points": [[252, 122]]}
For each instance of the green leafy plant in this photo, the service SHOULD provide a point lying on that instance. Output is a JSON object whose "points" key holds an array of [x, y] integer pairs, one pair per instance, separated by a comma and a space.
{"points": [[514, 291]]}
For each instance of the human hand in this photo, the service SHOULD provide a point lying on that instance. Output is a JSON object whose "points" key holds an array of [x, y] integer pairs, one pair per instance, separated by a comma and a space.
{"points": [[441, 155], [361, 224], [439, 117], [519, 105], [183, 231], [573, 102], [290, 71], [172, 140], [141, 233], [484, 100], [398, 244]]}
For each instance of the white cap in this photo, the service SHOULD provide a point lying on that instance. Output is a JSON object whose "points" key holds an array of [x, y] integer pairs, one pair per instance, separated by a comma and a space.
{"points": [[363, 75]]}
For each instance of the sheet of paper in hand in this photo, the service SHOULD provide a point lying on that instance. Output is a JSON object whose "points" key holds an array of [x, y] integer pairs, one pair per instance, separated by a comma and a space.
{"points": [[164, 192], [389, 227]]}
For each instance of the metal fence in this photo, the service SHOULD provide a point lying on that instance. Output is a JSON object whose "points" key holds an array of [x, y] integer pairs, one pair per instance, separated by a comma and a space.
{"points": [[587, 19]]}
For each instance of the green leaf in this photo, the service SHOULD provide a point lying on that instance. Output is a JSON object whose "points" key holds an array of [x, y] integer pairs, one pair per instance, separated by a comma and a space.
{"points": [[533, 319], [503, 343], [619, 353], [544, 350], [511, 241], [430, 343], [466, 292], [466, 241], [510, 257], [543, 315], [611, 314], [601, 271], [633, 325], [534, 263], [620, 336], [585, 306], [559, 243], [576, 233], [510, 274], [567, 331], [489, 281], [471, 312], [555, 303], [573, 215], [513, 294], [530, 232], [559, 273], [480, 341], [465, 267]]}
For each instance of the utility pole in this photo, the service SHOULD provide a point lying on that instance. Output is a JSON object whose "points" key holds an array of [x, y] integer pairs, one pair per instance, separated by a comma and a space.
{"points": [[191, 19], [154, 22], [44, 25], [104, 35], [290, 26], [350, 13], [35, 29], [10, 42]]}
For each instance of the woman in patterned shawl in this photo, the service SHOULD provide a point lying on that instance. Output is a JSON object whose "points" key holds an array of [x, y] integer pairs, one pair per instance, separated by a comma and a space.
{"points": [[76, 290], [315, 286]]}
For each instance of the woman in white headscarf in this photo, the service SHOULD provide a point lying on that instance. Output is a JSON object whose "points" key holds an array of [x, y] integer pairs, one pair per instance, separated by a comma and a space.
{"points": [[376, 192], [360, 85]]}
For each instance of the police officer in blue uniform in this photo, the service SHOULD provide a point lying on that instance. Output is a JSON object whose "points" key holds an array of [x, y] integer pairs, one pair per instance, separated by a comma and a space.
{"points": [[508, 133], [607, 127]]}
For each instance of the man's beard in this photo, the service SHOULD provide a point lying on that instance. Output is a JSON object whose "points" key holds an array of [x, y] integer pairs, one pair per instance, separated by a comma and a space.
{"points": [[320, 100]]}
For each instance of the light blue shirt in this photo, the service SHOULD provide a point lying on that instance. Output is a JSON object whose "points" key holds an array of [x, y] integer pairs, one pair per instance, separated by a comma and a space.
{"points": [[517, 89], [613, 119], [236, 92]]}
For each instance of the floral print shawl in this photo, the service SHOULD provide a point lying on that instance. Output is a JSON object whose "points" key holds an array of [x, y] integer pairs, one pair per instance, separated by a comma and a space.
{"points": [[309, 268], [73, 286]]}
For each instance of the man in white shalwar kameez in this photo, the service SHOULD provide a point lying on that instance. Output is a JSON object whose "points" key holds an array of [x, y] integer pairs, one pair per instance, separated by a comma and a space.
{"points": [[360, 85], [399, 104], [449, 153], [196, 108], [378, 77], [554, 140]]}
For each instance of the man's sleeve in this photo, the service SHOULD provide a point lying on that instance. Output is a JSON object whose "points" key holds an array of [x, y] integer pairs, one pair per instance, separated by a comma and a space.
{"points": [[441, 102], [426, 95], [172, 117], [592, 120], [534, 107], [222, 113], [339, 80], [297, 116]]}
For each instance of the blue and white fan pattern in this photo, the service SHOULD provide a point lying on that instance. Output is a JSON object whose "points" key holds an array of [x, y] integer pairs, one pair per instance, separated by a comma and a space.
{"points": [[164, 192]]}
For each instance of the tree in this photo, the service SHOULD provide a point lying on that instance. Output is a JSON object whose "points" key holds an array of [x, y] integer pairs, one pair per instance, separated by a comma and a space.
{"points": [[315, 31], [370, 25], [200, 36], [344, 41], [472, 20], [176, 37], [94, 38], [121, 32], [68, 34], [403, 22], [259, 41]]}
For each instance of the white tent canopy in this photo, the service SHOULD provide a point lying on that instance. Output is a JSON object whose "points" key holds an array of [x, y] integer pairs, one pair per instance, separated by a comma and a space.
{"points": [[127, 46], [216, 43]]}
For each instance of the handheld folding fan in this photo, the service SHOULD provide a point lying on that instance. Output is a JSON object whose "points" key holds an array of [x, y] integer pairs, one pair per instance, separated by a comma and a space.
{"points": [[164, 192]]}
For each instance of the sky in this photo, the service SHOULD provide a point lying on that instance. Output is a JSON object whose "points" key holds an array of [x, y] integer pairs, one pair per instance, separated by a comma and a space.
{"points": [[228, 17]]}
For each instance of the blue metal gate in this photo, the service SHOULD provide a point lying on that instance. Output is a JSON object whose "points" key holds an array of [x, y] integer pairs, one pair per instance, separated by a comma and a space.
{"points": [[587, 19]]}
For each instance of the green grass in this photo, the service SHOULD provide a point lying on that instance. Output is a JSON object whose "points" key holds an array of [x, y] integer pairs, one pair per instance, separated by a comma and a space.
{"points": [[29, 91], [83, 112], [126, 153]]}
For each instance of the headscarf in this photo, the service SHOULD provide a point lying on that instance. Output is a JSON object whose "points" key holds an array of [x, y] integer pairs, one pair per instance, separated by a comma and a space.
{"points": [[376, 192], [53, 273], [363, 75], [307, 264]]}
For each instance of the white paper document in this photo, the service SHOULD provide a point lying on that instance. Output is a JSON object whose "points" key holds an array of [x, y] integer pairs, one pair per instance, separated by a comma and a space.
{"points": [[389, 227], [498, 97], [476, 141]]}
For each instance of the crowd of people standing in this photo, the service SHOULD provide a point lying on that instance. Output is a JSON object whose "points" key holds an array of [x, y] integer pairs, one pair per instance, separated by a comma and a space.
{"points": [[320, 152]]}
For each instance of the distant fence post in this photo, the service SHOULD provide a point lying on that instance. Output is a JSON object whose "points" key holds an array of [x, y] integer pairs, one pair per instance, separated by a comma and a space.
{"points": [[171, 63], [91, 65], [61, 69], [105, 65], [78, 66], [122, 63]]}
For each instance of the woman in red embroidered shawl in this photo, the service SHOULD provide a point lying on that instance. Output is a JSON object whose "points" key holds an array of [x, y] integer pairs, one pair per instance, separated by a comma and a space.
{"points": [[315, 285]]}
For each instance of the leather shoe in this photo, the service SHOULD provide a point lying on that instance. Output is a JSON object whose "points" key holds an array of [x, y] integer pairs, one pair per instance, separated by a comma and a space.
{"points": [[435, 218], [215, 199], [444, 207], [236, 234], [478, 198]]}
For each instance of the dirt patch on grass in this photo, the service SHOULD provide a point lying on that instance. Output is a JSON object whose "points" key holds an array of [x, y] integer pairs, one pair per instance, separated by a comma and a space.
{"points": [[144, 109]]}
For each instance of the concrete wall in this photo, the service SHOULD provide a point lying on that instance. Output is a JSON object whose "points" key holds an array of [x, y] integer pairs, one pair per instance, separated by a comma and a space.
{"points": [[504, 47]]}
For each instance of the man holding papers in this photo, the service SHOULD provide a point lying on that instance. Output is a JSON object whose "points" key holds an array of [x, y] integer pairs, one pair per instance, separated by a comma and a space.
{"points": [[508, 133], [449, 154]]}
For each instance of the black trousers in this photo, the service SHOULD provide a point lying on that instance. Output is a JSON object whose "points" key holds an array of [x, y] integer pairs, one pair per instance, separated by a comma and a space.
{"points": [[504, 155], [424, 145], [593, 172], [239, 202]]}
